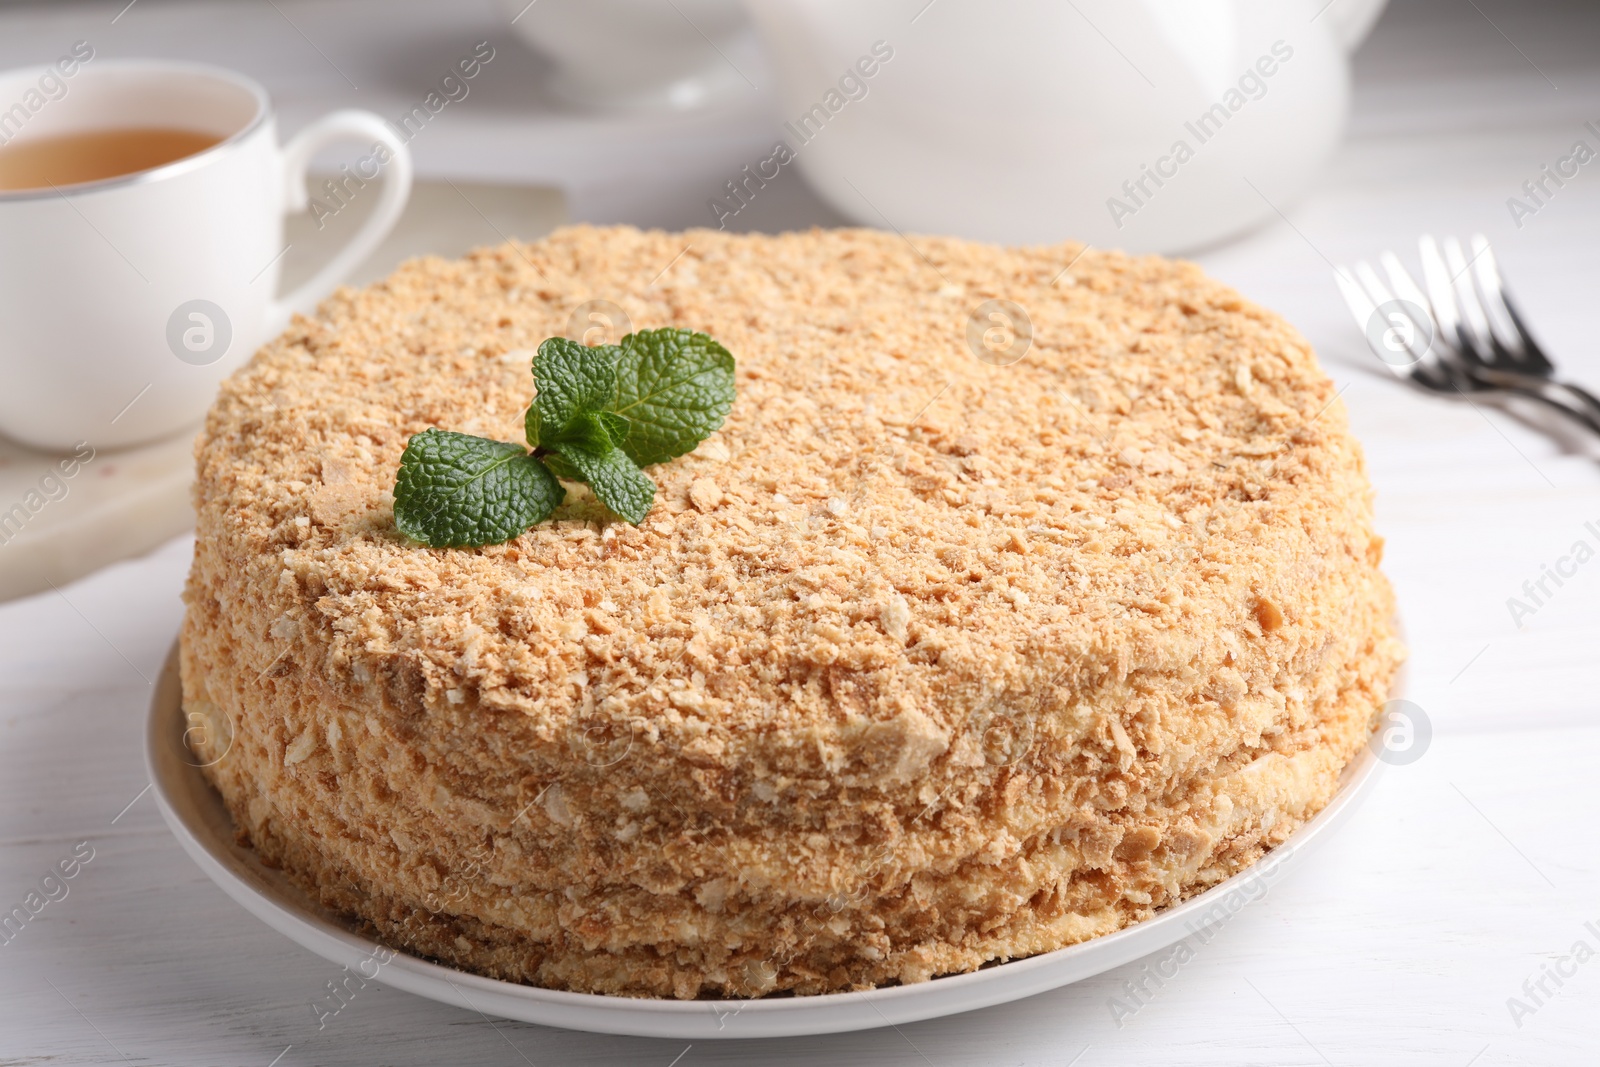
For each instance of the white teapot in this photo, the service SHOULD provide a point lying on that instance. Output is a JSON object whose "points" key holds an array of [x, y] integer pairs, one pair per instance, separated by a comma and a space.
{"points": [[1148, 125]]}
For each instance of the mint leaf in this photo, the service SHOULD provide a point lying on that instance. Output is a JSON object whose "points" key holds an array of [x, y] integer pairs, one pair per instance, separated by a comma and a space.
{"points": [[588, 430], [674, 387], [531, 425], [616, 426], [454, 489], [573, 380], [598, 415], [617, 482], [560, 467]]}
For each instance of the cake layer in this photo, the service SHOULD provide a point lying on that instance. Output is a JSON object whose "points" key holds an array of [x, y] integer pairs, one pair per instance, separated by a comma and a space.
{"points": [[921, 662]]}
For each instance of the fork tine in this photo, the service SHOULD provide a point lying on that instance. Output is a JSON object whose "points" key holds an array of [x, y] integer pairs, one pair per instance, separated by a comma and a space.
{"points": [[1472, 316], [1405, 287], [1355, 298], [1412, 336], [1441, 299], [1372, 283], [1487, 273]]}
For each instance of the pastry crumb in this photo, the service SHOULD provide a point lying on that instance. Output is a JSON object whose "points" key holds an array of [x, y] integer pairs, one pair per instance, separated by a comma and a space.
{"points": [[922, 664]]}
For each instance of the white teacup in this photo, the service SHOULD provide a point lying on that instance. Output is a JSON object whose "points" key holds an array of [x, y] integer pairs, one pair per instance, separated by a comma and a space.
{"points": [[124, 302]]}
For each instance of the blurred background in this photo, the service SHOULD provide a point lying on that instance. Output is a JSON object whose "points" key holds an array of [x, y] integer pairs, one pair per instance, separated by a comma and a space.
{"points": [[1001, 91], [1013, 120]]}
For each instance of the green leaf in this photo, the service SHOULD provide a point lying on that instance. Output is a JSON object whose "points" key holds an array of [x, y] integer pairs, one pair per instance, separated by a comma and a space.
{"points": [[530, 425], [674, 387], [587, 431], [617, 482], [598, 415], [454, 489], [617, 427], [560, 467], [573, 380]]}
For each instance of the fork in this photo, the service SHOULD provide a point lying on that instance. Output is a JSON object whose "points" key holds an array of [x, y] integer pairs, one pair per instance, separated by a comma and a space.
{"points": [[1464, 336]]}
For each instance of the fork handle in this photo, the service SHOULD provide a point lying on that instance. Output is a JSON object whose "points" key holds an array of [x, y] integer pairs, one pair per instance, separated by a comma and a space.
{"points": [[1585, 397], [1572, 400]]}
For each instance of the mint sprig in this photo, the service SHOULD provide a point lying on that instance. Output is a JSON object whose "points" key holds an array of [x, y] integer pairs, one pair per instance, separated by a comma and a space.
{"points": [[674, 388], [456, 489], [598, 415]]}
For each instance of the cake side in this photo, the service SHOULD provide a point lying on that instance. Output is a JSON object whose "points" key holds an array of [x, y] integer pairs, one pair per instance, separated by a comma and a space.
{"points": [[919, 663]]}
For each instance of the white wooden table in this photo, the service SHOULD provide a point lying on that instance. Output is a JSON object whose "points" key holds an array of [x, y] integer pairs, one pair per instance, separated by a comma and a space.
{"points": [[1466, 873]]}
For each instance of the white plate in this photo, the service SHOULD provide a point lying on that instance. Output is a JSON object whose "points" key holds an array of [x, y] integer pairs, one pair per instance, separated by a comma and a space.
{"points": [[196, 815]]}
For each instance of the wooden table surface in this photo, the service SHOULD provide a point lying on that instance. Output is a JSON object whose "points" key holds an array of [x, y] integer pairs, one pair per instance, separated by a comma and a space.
{"points": [[1467, 878]]}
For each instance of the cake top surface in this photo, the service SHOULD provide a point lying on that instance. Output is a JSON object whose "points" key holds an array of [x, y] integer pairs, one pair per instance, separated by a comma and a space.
{"points": [[887, 528]]}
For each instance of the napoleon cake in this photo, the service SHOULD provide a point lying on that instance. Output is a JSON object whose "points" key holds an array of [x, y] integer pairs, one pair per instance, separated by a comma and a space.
{"points": [[924, 661]]}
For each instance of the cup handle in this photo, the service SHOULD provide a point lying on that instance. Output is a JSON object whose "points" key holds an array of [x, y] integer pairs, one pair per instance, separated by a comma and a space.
{"points": [[396, 189]]}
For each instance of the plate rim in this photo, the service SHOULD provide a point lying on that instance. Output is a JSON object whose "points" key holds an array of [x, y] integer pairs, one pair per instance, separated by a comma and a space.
{"points": [[277, 902]]}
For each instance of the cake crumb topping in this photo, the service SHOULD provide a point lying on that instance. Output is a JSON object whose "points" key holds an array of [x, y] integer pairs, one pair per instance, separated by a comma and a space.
{"points": [[919, 662]]}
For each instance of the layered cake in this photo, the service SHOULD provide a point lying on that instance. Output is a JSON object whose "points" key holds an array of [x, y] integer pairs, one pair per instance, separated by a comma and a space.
{"points": [[946, 649]]}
